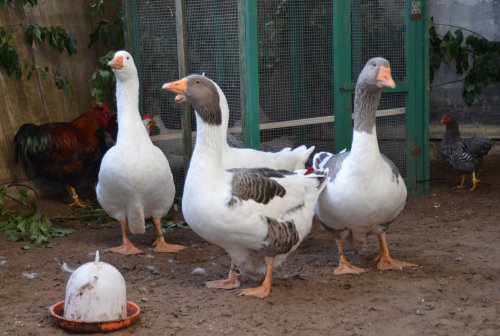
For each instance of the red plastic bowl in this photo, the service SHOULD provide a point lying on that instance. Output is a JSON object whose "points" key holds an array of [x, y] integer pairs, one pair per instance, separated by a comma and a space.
{"points": [[57, 311]]}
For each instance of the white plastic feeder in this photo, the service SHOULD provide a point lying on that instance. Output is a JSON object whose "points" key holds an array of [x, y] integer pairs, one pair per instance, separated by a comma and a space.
{"points": [[96, 292]]}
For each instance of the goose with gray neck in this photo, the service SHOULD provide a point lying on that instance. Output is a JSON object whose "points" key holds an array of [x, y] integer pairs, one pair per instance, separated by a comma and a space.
{"points": [[258, 215], [366, 191]]}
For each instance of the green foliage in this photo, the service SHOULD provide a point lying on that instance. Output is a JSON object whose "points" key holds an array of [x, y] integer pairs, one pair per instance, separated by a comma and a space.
{"points": [[109, 32], [168, 223], [104, 81], [9, 58], [34, 225], [475, 57], [57, 38]]}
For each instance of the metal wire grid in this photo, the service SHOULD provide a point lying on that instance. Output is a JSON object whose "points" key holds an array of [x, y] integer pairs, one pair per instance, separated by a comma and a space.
{"points": [[295, 72], [212, 30], [155, 30], [213, 49], [378, 29]]}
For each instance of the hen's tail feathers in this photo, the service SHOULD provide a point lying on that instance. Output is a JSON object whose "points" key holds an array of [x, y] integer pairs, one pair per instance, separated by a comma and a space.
{"points": [[30, 145]]}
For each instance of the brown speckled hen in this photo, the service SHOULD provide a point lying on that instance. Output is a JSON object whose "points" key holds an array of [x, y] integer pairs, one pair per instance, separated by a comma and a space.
{"points": [[463, 155]]}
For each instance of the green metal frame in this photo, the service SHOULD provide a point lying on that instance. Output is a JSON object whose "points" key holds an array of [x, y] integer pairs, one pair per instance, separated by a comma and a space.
{"points": [[249, 72], [417, 104], [343, 86], [416, 86]]}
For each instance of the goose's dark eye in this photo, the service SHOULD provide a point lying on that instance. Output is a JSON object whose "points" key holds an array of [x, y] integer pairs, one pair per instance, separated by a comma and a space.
{"points": [[374, 64], [128, 57], [197, 81]]}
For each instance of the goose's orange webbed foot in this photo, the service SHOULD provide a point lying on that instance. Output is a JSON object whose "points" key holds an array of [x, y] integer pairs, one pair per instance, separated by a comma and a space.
{"points": [[385, 262], [233, 280], [260, 292], [126, 249], [159, 244]]}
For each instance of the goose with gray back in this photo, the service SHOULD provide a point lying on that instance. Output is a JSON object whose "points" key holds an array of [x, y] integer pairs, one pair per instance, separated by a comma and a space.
{"points": [[366, 191], [237, 157], [258, 215], [135, 180]]}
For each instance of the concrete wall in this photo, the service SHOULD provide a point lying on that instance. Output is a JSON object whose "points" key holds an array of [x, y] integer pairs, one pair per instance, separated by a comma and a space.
{"points": [[483, 116]]}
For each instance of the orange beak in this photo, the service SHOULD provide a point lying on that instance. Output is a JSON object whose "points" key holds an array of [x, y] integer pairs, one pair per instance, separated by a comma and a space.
{"points": [[384, 77], [117, 63], [178, 87]]}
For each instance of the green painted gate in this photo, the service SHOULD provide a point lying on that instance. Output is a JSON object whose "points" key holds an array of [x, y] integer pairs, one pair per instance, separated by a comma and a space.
{"points": [[288, 69]]}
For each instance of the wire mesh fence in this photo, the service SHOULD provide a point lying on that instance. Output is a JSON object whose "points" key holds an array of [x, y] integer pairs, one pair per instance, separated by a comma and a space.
{"points": [[296, 73], [378, 29], [295, 57]]}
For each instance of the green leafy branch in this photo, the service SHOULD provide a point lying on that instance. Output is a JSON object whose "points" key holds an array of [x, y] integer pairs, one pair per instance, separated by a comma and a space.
{"points": [[34, 225], [475, 57], [104, 88], [59, 40], [109, 32], [168, 223]]}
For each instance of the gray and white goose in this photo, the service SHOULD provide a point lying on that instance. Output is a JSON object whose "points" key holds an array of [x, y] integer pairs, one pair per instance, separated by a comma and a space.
{"points": [[257, 215], [366, 191]]}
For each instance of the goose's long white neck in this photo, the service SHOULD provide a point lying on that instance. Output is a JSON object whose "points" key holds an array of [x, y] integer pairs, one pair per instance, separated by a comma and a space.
{"points": [[364, 139], [207, 153], [130, 126], [224, 108]]}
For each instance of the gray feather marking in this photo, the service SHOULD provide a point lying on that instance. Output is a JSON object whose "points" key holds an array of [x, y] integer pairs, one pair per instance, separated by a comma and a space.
{"points": [[395, 170], [335, 163], [281, 237], [256, 184]]}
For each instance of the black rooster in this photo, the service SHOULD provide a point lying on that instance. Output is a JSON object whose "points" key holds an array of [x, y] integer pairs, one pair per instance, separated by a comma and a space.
{"points": [[463, 155]]}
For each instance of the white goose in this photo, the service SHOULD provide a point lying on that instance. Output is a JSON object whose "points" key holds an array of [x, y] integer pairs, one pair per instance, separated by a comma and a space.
{"points": [[366, 192], [135, 181], [286, 158], [257, 215]]}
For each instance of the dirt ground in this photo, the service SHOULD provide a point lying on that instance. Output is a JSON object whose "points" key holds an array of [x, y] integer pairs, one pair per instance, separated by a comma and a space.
{"points": [[452, 234]]}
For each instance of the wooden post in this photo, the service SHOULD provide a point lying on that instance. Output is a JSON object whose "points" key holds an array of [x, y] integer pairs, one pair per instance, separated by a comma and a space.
{"points": [[187, 140]]}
